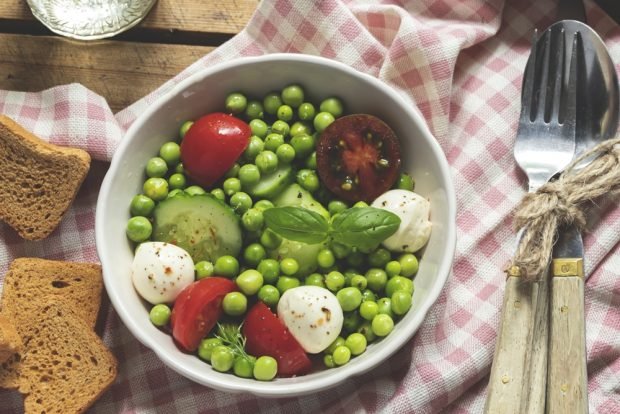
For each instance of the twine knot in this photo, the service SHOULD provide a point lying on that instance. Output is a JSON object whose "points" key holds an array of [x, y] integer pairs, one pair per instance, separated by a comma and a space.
{"points": [[563, 202]]}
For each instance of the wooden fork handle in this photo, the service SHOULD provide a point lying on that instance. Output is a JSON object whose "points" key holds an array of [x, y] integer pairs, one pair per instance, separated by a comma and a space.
{"points": [[567, 389]]}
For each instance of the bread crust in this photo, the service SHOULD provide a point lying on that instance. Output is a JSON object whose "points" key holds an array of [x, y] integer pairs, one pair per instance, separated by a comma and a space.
{"points": [[38, 180], [10, 341]]}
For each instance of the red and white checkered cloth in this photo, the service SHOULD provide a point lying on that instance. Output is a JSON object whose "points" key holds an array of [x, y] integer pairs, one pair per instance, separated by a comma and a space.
{"points": [[460, 62]]}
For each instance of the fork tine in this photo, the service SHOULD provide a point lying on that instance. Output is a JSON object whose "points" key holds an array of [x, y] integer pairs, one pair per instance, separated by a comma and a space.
{"points": [[544, 82], [558, 85], [527, 93], [571, 98]]}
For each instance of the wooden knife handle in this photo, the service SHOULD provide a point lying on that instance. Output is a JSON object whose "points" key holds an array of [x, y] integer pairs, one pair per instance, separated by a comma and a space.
{"points": [[505, 388], [567, 389]]}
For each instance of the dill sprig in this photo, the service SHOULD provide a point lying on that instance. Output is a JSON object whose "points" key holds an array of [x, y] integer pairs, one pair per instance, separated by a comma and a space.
{"points": [[230, 335]]}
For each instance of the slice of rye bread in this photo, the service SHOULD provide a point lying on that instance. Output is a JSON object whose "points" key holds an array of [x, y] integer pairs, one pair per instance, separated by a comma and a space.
{"points": [[10, 341], [31, 282], [38, 180], [65, 367]]}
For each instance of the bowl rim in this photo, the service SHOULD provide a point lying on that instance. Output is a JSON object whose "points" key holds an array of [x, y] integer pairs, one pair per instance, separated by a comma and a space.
{"points": [[292, 388]]}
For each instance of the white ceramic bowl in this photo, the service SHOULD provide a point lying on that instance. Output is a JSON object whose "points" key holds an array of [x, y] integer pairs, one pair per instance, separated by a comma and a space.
{"points": [[205, 92]]}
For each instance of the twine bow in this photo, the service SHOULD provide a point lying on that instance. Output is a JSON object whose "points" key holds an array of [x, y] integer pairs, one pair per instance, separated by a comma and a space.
{"points": [[563, 202]]}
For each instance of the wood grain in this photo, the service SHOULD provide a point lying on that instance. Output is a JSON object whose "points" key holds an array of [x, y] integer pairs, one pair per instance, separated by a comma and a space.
{"points": [[205, 16], [122, 72]]}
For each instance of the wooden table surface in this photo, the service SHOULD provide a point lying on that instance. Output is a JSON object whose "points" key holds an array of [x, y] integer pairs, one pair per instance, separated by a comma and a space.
{"points": [[123, 68]]}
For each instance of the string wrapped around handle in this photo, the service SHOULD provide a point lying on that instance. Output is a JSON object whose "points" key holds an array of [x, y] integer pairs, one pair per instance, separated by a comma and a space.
{"points": [[563, 202]]}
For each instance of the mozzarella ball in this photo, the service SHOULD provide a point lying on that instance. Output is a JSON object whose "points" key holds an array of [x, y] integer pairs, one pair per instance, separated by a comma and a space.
{"points": [[313, 316], [160, 271], [415, 227]]}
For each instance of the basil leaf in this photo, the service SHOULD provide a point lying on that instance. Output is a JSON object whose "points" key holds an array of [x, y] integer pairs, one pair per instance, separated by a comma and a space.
{"points": [[364, 227], [297, 223]]}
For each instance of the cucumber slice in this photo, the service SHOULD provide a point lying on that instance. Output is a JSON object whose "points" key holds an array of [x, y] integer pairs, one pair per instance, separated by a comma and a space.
{"points": [[296, 196], [201, 224], [271, 185]]}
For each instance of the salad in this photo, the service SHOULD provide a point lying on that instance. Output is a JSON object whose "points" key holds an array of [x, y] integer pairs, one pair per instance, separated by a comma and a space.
{"points": [[278, 235]]}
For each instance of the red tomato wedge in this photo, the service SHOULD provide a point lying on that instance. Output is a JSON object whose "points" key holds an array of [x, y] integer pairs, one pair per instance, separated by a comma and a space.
{"points": [[196, 310], [212, 145], [358, 157], [266, 335]]}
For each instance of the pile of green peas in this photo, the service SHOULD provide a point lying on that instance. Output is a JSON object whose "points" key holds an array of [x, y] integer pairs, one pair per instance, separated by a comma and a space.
{"points": [[373, 287]]}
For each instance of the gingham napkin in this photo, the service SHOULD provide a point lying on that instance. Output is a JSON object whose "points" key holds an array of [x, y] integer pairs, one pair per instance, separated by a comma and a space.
{"points": [[460, 63]]}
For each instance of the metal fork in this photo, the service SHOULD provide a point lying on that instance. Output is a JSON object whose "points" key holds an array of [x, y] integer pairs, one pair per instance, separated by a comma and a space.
{"points": [[544, 146]]}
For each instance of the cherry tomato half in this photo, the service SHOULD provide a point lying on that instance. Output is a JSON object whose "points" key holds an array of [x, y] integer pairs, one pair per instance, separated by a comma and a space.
{"points": [[358, 157], [266, 335], [212, 145], [196, 310]]}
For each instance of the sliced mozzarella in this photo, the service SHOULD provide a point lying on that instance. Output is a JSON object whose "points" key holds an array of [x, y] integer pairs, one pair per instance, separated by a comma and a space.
{"points": [[160, 271], [313, 316], [415, 227]]}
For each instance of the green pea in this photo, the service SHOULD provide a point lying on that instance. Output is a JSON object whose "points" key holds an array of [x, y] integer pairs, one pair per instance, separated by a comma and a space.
{"points": [[405, 182], [185, 126], [356, 342], [265, 368], [285, 283], [231, 186], [222, 358], [248, 175], [325, 258], [171, 153], [392, 268], [336, 206], [141, 205], [322, 120], [340, 250], [300, 127], [306, 111], [244, 366], [341, 355], [303, 144], [254, 253], [206, 347], [255, 146], [156, 188], [334, 281], [308, 179], [160, 315], [356, 259], [273, 141], [203, 269], [270, 269], [139, 229], [311, 161], [359, 282], [269, 295], [250, 281], [339, 341], [179, 168], [280, 127], [219, 194], [382, 324], [233, 171], [289, 266], [399, 283], [333, 106], [259, 128], [240, 201], [366, 329], [266, 161], [271, 103], [195, 190], [360, 204], [235, 303], [262, 205], [385, 307], [409, 264], [328, 361], [376, 278], [293, 95], [379, 258], [254, 110], [351, 321], [270, 239], [401, 302], [252, 220], [285, 153], [236, 103], [315, 279], [177, 181], [349, 298], [368, 310], [285, 113], [226, 266], [368, 295], [156, 167]]}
